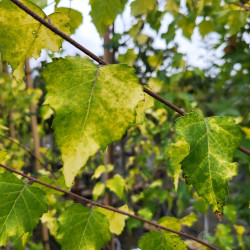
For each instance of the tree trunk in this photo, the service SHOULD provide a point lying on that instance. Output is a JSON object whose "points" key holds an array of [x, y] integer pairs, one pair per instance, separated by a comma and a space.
{"points": [[108, 157], [35, 135]]}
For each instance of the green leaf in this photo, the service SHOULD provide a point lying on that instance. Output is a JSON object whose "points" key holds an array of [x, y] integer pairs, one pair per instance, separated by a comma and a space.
{"points": [[154, 18], [209, 165], [160, 240], [74, 15], [128, 58], [25, 37], [21, 206], [116, 220], [163, 240], [94, 106], [104, 13], [230, 213], [140, 7], [116, 185], [41, 3], [145, 213], [206, 27], [83, 228]]}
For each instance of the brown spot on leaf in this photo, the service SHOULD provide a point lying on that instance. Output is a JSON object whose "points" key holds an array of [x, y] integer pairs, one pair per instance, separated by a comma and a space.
{"points": [[219, 215]]}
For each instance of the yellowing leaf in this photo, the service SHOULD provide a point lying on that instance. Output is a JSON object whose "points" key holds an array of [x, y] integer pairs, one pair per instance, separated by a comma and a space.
{"points": [[98, 190], [209, 166], [177, 152], [116, 185], [94, 106], [51, 222], [102, 169], [116, 220], [25, 37], [74, 15], [189, 220]]}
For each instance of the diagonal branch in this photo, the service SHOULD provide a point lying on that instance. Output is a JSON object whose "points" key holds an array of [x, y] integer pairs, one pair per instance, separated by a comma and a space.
{"points": [[98, 59], [245, 7], [107, 207]]}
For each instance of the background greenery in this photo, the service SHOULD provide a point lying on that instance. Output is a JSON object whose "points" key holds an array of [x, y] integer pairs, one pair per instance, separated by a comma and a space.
{"points": [[146, 171]]}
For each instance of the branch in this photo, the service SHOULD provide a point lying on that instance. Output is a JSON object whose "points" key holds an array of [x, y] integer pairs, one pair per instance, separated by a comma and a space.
{"points": [[107, 207], [246, 8], [98, 59], [32, 155], [24, 148]]}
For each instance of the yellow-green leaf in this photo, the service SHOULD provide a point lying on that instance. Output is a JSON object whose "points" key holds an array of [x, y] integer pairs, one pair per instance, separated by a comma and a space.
{"points": [[24, 37], [94, 106], [116, 185], [116, 220], [104, 13], [209, 166], [139, 7], [83, 228], [189, 220], [21, 206]]}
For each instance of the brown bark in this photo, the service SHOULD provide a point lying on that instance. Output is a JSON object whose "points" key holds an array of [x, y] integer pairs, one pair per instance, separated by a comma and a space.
{"points": [[36, 141], [108, 157]]}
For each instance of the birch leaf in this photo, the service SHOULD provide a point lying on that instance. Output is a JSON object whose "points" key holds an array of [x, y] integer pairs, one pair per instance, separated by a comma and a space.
{"points": [[25, 37], [104, 13], [21, 206], [208, 166], [83, 228], [94, 106], [116, 220]]}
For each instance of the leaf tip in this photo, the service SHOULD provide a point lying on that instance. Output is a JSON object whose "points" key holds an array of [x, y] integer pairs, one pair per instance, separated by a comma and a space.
{"points": [[218, 215]]}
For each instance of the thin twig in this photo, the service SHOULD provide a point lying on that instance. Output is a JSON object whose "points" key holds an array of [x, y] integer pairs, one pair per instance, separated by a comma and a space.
{"points": [[107, 207], [24, 148], [32, 155], [243, 6]]}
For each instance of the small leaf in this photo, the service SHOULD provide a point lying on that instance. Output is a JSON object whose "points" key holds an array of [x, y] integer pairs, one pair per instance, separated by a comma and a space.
{"points": [[139, 7], [189, 220], [21, 206], [98, 190], [104, 13], [116, 185], [74, 15], [128, 58], [51, 221], [160, 240], [83, 228], [145, 213], [116, 220], [94, 106], [41, 3], [208, 166], [102, 169], [170, 222], [25, 37], [177, 152]]}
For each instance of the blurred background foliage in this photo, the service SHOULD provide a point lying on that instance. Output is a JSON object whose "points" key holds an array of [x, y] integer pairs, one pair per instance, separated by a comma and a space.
{"points": [[146, 171]]}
